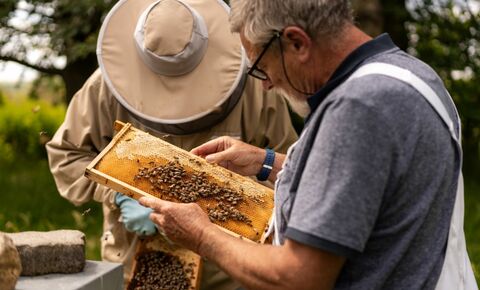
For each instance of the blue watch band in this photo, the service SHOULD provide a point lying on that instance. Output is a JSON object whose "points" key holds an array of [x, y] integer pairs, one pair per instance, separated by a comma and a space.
{"points": [[267, 165]]}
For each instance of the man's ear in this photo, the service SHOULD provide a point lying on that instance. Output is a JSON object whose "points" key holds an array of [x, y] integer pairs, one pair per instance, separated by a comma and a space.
{"points": [[297, 42]]}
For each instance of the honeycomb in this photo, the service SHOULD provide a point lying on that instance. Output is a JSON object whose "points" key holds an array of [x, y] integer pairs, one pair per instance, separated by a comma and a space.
{"points": [[133, 153], [160, 265]]}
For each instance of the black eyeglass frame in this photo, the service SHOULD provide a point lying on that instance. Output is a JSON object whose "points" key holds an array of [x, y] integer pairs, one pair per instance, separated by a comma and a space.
{"points": [[256, 72]]}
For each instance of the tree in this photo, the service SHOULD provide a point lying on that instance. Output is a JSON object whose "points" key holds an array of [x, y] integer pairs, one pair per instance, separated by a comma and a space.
{"points": [[395, 17], [446, 35], [53, 29], [378, 16], [368, 16]]}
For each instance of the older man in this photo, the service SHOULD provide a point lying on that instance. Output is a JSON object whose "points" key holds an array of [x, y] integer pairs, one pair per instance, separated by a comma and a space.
{"points": [[367, 198]]}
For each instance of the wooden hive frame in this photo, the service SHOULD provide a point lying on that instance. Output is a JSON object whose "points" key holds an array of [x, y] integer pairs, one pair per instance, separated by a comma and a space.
{"points": [[258, 203]]}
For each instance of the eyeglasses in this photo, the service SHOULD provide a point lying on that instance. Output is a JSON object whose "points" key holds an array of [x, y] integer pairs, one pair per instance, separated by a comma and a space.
{"points": [[254, 71]]}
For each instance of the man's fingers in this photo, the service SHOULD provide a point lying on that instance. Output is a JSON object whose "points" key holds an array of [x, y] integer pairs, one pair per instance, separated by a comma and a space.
{"points": [[220, 158], [210, 147]]}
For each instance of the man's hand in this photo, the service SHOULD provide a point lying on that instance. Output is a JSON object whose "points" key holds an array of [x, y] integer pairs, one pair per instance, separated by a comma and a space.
{"points": [[232, 154], [184, 224], [290, 266], [134, 216]]}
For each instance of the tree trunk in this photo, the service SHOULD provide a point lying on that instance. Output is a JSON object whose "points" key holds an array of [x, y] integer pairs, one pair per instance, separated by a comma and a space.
{"points": [[471, 149], [76, 73], [368, 16], [395, 17], [378, 16]]}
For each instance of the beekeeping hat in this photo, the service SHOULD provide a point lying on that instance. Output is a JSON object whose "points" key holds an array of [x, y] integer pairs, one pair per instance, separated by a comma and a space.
{"points": [[174, 64]]}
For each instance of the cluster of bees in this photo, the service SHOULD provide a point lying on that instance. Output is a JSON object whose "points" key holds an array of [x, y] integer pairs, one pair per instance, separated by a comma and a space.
{"points": [[173, 180], [158, 271], [224, 211]]}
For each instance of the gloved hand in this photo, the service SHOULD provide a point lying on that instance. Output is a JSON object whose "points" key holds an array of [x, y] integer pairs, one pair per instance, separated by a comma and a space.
{"points": [[134, 216]]}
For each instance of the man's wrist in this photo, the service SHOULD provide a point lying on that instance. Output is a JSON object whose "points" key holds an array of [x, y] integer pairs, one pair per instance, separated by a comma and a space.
{"points": [[267, 165], [206, 240]]}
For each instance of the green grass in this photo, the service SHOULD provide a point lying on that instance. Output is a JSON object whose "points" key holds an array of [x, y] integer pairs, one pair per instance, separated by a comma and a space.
{"points": [[472, 223], [31, 202]]}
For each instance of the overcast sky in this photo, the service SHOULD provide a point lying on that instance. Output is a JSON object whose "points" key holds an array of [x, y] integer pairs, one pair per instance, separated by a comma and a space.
{"points": [[11, 72]]}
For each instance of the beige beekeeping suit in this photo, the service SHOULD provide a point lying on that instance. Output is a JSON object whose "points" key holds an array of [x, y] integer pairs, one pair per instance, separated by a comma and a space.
{"points": [[259, 118]]}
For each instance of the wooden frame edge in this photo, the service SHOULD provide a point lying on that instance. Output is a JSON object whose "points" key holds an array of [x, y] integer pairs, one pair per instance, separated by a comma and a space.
{"points": [[109, 146]]}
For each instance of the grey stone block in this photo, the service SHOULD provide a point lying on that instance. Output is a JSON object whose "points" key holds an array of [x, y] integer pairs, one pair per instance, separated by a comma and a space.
{"points": [[95, 276], [10, 267], [61, 251]]}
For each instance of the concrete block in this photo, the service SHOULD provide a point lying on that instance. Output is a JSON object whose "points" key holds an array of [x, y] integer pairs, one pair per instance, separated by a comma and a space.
{"points": [[95, 276], [10, 266], [61, 251]]}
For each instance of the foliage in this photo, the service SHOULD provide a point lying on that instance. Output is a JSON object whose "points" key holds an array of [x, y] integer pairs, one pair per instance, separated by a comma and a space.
{"points": [[446, 35], [2, 98], [26, 126], [53, 29], [49, 88], [30, 202]]}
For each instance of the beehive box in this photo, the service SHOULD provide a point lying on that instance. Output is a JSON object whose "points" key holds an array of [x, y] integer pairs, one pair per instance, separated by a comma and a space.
{"points": [[139, 164], [159, 264]]}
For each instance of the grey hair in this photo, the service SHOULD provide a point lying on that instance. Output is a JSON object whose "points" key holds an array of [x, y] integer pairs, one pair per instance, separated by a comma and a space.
{"points": [[260, 18]]}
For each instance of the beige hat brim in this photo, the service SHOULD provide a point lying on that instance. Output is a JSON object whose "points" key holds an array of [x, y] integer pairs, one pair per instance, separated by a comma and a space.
{"points": [[165, 99]]}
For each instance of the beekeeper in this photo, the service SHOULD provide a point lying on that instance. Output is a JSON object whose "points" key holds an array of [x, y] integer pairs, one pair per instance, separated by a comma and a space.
{"points": [[174, 69]]}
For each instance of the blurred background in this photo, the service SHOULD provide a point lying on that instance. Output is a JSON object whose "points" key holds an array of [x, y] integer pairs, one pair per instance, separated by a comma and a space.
{"points": [[47, 51]]}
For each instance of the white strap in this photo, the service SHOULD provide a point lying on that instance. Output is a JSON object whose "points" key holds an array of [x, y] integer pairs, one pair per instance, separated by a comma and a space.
{"points": [[411, 79]]}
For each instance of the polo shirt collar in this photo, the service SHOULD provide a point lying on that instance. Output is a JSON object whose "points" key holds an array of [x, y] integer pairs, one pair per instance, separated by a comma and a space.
{"points": [[375, 46]]}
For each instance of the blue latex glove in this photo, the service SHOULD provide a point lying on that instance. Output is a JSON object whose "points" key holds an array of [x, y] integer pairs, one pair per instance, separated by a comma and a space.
{"points": [[135, 217]]}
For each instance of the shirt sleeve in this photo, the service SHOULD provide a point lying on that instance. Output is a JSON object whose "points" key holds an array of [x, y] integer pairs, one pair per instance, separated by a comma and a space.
{"points": [[86, 130], [341, 188]]}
